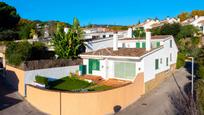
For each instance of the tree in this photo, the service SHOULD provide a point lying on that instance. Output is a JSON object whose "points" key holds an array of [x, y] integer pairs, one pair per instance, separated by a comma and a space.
{"points": [[183, 16], [68, 45], [180, 60], [187, 31], [8, 16], [197, 13], [139, 33], [16, 53], [170, 29]]}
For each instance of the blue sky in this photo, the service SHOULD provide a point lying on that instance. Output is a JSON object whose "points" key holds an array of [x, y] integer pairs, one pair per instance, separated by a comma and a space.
{"points": [[121, 12]]}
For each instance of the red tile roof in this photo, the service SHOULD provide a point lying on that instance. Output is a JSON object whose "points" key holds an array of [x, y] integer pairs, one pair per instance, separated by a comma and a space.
{"points": [[130, 52]]}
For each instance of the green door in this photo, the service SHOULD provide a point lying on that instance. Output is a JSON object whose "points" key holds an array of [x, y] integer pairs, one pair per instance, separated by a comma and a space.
{"points": [[143, 45], [94, 64], [158, 44], [124, 70], [82, 68], [137, 44]]}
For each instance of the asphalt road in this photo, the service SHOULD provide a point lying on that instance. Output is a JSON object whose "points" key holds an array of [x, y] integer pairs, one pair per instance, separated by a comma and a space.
{"points": [[163, 100], [13, 104]]}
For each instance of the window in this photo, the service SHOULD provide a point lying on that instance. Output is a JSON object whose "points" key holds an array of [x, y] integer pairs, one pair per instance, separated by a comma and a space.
{"points": [[156, 64], [137, 44], [143, 45], [124, 70], [160, 60], [158, 44], [123, 45], [170, 57], [167, 61], [170, 43]]}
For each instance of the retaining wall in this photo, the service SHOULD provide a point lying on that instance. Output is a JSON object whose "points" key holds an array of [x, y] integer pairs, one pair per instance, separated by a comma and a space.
{"points": [[89, 103], [16, 77]]}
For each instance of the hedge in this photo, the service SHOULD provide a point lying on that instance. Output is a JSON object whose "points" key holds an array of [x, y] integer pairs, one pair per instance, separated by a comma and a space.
{"points": [[41, 80]]}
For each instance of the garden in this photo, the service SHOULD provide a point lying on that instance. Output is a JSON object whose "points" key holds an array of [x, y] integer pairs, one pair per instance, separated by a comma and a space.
{"points": [[72, 83]]}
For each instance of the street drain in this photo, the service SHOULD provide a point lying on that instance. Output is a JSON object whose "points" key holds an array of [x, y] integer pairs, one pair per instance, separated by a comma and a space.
{"points": [[144, 104]]}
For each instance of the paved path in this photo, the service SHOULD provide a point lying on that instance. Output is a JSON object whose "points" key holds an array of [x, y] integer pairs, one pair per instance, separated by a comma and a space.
{"points": [[160, 101], [13, 104]]}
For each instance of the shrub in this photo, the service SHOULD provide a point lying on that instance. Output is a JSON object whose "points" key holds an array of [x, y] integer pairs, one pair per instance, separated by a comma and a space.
{"points": [[200, 71], [16, 53], [41, 80], [180, 60], [8, 35], [199, 89]]}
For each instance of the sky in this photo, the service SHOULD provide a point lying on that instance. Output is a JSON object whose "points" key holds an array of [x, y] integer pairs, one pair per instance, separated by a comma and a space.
{"points": [[119, 12]]}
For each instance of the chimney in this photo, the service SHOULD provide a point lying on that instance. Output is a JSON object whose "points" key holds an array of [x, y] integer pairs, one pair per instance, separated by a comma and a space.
{"points": [[115, 42], [148, 40], [129, 35], [196, 16]]}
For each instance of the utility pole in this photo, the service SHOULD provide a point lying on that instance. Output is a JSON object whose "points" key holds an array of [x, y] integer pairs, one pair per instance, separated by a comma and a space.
{"points": [[192, 76]]}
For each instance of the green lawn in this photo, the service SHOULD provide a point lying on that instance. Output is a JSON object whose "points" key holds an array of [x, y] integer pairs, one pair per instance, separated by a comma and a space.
{"points": [[75, 84]]}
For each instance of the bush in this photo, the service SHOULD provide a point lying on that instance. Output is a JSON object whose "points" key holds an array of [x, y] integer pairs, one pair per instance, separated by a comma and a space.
{"points": [[41, 80], [16, 53], [180, 60], [200, 71], [199, 89], [8, 35], [39, 51]]}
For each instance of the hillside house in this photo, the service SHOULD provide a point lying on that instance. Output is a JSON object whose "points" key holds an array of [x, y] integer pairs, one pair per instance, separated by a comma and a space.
{"points": [[130, 56]]}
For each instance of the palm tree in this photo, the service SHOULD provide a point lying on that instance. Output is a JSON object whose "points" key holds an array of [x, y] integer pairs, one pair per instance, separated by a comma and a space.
{"points": [[67, 45]]}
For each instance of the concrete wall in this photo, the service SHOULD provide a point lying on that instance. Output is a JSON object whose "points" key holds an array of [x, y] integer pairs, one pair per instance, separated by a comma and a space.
{"points": [[53, 73], [91, 103], [159, 78], [16, 77]]}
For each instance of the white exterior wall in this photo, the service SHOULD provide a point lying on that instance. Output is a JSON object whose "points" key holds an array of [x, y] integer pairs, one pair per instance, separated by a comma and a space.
{"points": [[149, 61], [51, 73]]}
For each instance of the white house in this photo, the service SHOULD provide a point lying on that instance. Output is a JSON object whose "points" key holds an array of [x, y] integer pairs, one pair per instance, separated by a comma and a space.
{"points": [[130, 56], [198, 22], [147, 24]]}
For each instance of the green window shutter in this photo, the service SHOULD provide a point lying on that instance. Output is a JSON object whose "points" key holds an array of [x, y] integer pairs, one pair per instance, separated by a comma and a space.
{"points": [[156, 64], [167, 61], [170, 43], [143, 45], [158, 44], [137, 44]]}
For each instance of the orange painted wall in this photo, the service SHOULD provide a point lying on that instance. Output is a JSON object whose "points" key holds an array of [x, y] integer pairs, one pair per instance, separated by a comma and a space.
{"points": [[45, 100], [90, 103], [16, 78]]}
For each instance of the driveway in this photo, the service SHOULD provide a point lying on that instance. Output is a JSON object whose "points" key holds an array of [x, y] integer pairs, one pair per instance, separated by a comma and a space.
{"points": [[13, 104], [163, 100]]}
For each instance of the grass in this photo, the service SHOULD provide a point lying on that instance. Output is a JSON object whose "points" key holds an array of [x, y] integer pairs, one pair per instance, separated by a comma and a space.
{"points": [[76, 84], [69, 83]]}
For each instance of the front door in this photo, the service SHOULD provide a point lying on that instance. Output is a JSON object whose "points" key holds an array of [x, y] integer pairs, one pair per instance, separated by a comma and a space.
{"points": [[94, 64]]}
